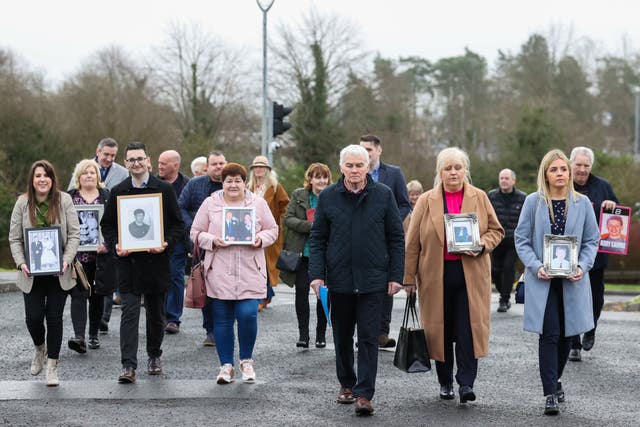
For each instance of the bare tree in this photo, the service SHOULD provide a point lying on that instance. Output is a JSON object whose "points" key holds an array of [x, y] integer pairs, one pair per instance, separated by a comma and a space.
{"points": [[199, 77], [294, 61]]}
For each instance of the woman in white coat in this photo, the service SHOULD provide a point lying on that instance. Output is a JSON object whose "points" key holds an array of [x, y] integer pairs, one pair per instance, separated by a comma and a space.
{"points": [[556, 308]]}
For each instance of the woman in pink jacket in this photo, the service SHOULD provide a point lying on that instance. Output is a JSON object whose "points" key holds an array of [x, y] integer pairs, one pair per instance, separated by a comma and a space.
{"points": [[236, 272]]}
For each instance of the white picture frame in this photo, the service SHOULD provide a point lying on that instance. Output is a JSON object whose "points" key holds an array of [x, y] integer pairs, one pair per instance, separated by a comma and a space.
{"points": [[236, 229], [43, 250], [89, 217], [462, 232], [140, 222], [560, 257]]}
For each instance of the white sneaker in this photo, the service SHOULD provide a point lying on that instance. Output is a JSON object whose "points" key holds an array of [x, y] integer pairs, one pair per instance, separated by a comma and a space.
{"points": [[248, 373], [225, 376], [38, 359]]}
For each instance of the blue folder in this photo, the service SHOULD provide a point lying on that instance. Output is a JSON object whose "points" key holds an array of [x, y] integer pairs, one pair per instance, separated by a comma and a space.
{"points": [[324, 299]]}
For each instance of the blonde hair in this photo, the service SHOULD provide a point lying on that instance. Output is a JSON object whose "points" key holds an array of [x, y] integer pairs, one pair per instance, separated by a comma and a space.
{"points": [[415, 185], [269, 176], [543, 185], [447, 155], [81, 167]]}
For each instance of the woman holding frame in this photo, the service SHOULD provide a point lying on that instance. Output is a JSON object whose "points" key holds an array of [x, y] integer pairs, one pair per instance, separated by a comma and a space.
{"points": [[556, 308], [43, 205], [89, 190]]}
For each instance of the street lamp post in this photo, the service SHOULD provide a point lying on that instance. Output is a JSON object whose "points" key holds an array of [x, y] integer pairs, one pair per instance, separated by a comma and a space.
{"points": [[264, 7], [636, 91]]}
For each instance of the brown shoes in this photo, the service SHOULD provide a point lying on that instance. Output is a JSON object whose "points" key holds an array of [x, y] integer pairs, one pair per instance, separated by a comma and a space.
{"points": [[345, 395], [128, 376], [385, 342], [154, 366], [363, 406]]}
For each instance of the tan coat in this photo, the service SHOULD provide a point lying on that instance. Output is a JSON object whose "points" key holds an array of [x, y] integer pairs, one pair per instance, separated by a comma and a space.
{"points": [[278, 200], [424, 263], [69, 226]]}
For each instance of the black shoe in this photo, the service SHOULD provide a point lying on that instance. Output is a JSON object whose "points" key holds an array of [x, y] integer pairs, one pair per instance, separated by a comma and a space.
{"points": [[466, 394], [574, 355], [104, 327], [94, 343], [551, 406], [560, 393], [321, 341], [504, 306], [588, 340], [77, 344], [302, 344], [446, 392]]}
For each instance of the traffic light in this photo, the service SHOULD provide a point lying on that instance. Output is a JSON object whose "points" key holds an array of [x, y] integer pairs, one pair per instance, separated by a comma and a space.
{"points": [[279, 113]]}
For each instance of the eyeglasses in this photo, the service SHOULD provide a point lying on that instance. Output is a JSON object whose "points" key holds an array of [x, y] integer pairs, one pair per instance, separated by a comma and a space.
{"points": [[136, 159]]}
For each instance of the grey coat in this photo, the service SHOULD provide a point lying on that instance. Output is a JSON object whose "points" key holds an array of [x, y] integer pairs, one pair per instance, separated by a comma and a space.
{"points": [[580, 222], [70, 228]]}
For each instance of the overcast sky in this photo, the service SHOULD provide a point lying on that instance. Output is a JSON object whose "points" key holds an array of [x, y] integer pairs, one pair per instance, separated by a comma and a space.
{"points": [[55, 37]]}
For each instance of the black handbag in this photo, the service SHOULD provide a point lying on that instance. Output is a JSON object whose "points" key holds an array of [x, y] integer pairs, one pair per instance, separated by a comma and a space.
{"points": [[520, 290], [289, 261], [412, 354]]}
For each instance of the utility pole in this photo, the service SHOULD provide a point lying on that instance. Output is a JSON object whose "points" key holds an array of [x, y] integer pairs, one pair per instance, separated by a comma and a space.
{"points": [[636, 91], [264, 7]]}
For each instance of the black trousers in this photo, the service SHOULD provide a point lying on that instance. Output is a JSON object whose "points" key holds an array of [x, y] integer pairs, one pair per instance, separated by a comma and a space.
{"points": [[154, 308], [79, 298], [553, 346], [302, 304], [503, 261], [347, 311], [596, 277], [457, 328], [385, 318], [45, 301]]}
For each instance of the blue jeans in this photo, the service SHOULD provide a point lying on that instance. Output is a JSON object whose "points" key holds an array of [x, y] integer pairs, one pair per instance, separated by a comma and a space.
{"points": [[175, 296], [225, 313]]}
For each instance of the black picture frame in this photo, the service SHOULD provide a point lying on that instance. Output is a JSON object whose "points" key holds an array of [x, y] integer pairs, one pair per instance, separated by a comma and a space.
{"points": [[43, 250]]}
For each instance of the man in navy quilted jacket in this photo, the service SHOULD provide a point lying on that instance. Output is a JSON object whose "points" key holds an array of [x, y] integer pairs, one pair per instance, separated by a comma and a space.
{"points": [[357, 252]]}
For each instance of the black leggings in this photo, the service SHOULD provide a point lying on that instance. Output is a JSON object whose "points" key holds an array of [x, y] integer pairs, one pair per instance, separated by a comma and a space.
{"points": [[302, 304], [46, 300], [553, 346], [79, 297]]}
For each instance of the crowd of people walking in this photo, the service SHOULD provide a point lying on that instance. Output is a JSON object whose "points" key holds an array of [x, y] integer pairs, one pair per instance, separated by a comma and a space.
{"points": [[362, 238]]}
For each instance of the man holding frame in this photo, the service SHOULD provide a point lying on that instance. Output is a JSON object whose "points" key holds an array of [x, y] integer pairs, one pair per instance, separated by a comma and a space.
{"points": [[145, 271]]}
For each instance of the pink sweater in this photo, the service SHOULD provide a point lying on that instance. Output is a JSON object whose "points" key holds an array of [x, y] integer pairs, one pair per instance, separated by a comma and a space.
{"points": [[239, 271]]}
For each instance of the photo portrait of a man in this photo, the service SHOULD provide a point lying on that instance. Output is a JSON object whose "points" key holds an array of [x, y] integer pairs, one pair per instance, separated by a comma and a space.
{"points": [[139, 228], [239, 227], [613, 238]]}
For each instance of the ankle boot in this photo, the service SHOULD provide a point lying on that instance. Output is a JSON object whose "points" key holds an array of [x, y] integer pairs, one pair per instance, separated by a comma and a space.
{"points": [[52, 372], [38, 359]]}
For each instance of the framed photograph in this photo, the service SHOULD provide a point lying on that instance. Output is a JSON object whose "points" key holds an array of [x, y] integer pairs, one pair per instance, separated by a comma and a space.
{"points": [[560, 255], [614, 230], [89, 217], [140, 222], [462, 232], [43, 250], [238, 225]]}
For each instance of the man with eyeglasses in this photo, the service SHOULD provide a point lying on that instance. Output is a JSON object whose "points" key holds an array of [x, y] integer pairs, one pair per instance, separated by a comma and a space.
{"points": [[190, 200], [142, 273]]}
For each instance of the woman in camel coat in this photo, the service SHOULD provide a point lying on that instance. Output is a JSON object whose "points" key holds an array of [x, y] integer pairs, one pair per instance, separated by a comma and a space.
{"points": [[454, 291]]}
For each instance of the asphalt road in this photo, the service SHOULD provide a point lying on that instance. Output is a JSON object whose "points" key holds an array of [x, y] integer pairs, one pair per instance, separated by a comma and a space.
{"points": [[299, 387]]}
